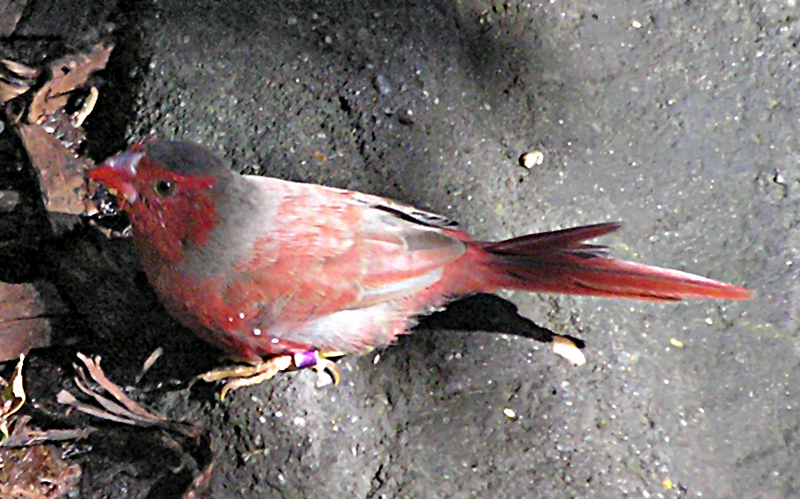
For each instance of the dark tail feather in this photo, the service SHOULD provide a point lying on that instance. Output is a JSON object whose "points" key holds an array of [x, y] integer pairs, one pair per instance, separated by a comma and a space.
{"points": [[560, 262]]}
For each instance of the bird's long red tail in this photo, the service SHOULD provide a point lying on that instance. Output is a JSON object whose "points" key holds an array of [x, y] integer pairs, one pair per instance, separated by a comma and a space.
{"points": [[561, 262]]}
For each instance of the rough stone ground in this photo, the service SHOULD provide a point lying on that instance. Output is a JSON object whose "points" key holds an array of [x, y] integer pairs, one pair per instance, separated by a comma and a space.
{"points": [[679, 118]]}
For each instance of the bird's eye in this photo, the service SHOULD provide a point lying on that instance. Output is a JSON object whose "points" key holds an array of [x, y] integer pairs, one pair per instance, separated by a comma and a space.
{"points": [[164, 188]]}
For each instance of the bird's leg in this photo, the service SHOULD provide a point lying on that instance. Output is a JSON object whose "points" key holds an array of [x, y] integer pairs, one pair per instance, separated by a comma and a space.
{"points": [[249, 375], [319, 361]]}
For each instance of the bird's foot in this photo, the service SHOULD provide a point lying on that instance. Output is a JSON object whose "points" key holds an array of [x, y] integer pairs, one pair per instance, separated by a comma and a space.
{"points": [[319, 361], [249, 375]]}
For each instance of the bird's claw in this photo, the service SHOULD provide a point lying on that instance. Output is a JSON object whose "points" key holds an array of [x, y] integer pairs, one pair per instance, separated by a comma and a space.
{"points": [[326, 367], [249, 375]]}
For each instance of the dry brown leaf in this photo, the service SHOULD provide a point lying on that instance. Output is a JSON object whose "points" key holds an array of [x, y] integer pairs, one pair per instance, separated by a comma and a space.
{"points": [[129, 408], [68, 74], [9, 90], [80, 116], [21, 335], [17, 80], [37, 472], [117, 406], [61, 174], [19, 69], [12, 392], [25, 311], [10, 14], [12, 398], [148, 363], [200, 483], [25, 436]]}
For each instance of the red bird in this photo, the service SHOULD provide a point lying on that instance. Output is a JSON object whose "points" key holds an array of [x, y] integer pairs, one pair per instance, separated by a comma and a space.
{"points": [[283, 275]]}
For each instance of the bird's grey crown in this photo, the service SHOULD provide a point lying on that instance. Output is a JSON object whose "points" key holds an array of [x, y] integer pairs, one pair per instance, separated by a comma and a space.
{"points": [[188, 158]]}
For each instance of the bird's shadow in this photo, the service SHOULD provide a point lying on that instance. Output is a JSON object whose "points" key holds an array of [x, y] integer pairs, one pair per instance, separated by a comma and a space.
{"points": [[490, 313]]}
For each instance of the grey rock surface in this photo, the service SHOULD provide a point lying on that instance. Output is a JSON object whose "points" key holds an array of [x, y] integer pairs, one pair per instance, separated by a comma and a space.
{"points": [[678, 118]]}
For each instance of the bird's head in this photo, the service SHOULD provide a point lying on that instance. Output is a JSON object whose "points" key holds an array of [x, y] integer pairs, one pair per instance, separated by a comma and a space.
{"points": [[170, 191]]}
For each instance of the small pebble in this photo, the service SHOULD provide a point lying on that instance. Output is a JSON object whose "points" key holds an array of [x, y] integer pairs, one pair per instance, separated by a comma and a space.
{"points": [[567, 349], [531, 159], [383, 84]]}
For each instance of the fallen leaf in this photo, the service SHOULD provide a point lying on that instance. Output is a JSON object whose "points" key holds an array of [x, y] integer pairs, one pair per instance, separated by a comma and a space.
{"points": [[61, 174], [118, 407], [80, 116], [200, 482], [12, 398], [10, 14], [20, 69], [26, 310], [192, 441], [37, 472], [67, 74], [11, 90], [148, 363]]}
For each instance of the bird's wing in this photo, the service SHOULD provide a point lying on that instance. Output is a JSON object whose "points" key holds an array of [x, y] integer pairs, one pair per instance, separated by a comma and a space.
{"points": [[330, 250]]}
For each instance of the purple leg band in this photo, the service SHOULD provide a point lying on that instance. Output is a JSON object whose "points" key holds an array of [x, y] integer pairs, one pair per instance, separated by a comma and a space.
{"points": [[306, 359]]}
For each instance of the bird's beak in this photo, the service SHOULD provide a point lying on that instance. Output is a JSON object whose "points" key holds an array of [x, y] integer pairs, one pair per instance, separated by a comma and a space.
{"points": [[117, 174]]}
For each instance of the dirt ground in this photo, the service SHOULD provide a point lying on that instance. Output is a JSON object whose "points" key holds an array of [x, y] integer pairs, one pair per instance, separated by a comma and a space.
{"points": [[679, 118]]}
